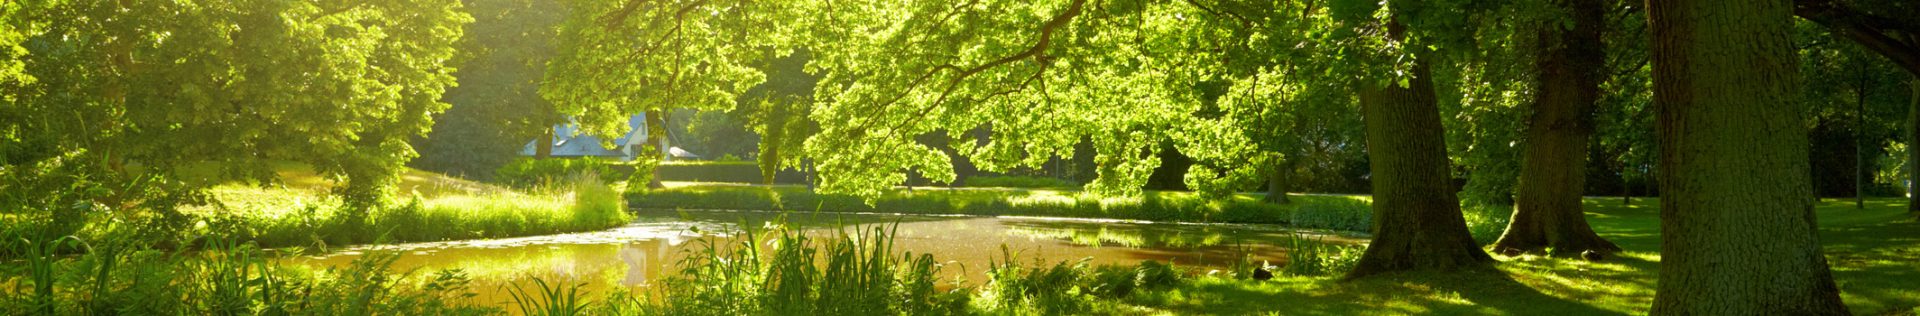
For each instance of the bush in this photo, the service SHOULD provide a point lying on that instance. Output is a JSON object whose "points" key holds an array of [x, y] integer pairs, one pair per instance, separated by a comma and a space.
{"points": [[228, 278], [537, 173], [1313, 256], [1336, 213]]}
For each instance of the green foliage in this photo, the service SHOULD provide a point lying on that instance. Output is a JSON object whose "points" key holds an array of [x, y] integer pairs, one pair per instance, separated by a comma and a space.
{"points": [[717, 135], [142, 105], [1154, 206], [115, 277], [644, 171], [496, 108], [1020, 182], [546, 300], [774, 272], [539, 173], [1339, 214], [1315, 256]]}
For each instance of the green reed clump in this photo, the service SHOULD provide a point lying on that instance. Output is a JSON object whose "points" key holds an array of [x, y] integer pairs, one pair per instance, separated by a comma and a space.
{"points": [[544, 299], [1314, 256], [784, 272]]}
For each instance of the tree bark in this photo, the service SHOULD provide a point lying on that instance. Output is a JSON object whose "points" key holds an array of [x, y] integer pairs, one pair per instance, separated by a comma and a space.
{"points": [[1738, 231], [1278, 180], [1416, 217], [657, 137], [543, 148], [1913, 153], [1548, 211]]}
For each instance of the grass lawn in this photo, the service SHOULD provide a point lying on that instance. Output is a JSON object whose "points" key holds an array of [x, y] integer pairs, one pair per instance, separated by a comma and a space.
{"points": [[1875, 255]]}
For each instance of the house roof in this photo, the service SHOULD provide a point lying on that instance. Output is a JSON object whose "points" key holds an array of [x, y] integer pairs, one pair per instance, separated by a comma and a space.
{"points": [[568, 141]]}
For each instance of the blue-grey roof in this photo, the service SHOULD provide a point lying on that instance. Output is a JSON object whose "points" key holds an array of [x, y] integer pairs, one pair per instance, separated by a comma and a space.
{"points": [[568, 141]]}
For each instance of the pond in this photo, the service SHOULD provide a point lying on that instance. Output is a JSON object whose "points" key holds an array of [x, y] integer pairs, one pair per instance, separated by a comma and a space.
{"points": [[641, 254]]}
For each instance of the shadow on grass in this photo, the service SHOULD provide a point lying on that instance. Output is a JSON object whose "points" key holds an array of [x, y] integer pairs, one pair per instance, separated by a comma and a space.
{"points": [[1476, 291]]}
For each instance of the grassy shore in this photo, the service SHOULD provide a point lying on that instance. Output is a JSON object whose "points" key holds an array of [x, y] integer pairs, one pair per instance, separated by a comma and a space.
{"points": [[1871, 251], [1319, 211]]}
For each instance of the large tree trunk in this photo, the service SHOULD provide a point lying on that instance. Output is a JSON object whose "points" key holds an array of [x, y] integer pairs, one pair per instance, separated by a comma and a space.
{"points": [[1277, 181], [1416, 217], [1548, 212], [1738, 235]]}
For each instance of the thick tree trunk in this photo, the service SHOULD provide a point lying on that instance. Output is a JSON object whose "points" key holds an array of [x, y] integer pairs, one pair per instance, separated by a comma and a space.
{"points": [[1416, 217], [1277, 181], [1548, 212], [1738, 235]]}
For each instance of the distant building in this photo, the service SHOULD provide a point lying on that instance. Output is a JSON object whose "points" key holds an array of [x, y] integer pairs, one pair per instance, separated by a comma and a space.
{"points": [[569, 142]]}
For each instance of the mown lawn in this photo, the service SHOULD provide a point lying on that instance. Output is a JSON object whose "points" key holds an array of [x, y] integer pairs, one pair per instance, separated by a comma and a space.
{"points": [[1875, 254]]}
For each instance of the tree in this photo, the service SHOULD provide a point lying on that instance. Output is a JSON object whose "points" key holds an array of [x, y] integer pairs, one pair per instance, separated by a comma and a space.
{"points": [[1570, 65], [1417, 220], [140, 105], [496, 108], [1738, 231], [1887, 27], [617, 58]]}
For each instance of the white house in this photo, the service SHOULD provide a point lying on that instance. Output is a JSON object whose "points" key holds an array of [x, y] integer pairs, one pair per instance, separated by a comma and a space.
{"points": [[568, 141]]}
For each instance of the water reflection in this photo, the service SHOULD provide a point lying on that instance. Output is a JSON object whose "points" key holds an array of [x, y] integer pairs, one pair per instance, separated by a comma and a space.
{"points": [[639, 255]]}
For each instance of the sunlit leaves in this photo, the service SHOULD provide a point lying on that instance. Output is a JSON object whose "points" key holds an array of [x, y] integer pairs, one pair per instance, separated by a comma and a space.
{"points": [[204, 92]]}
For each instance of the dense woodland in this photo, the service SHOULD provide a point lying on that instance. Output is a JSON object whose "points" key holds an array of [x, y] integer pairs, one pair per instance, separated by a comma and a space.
{"points": [[1735, 114]]}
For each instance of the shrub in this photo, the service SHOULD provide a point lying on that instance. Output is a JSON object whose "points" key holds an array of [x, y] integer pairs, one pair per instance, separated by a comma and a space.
{"points": [[535, 173], [1313, 256], [1335, 213]]}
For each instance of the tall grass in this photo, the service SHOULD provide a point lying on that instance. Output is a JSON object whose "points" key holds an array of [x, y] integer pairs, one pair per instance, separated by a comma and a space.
{"points": [[227, 278], [294, 219], [1314, 256], [780, 271], [786, 272]]}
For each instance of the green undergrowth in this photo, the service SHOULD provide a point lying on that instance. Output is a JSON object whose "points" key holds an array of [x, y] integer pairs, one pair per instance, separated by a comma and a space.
{"points": [[281, 218], [305, 215], [1350, 213], [123, 277], [1019, 182]]}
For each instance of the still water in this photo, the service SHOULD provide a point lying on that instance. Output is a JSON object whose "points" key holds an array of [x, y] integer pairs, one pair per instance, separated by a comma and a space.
{"points": [[639, 255]]}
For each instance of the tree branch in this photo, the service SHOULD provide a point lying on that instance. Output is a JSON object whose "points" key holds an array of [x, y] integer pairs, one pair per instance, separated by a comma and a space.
{"points": [[1867, 30], [1037, 51]]}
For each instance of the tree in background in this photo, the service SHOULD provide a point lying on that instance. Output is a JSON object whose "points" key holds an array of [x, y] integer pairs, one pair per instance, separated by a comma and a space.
{"points": [[617, 58], [497, 106], [141, 105], [776, 111], [1738, 231], [1569, 66]]}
